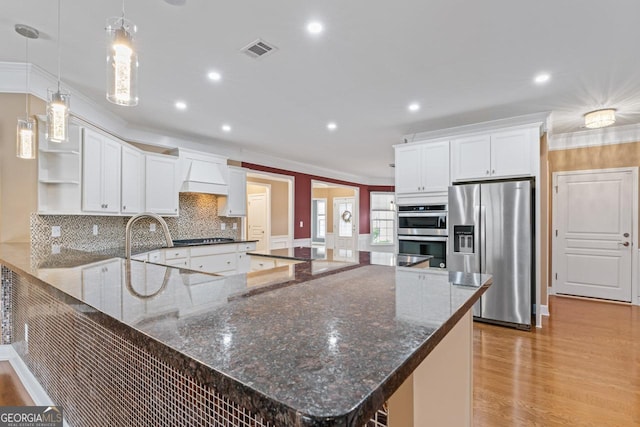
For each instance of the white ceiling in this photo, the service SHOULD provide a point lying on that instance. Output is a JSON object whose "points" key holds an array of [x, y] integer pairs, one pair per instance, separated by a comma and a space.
{"points": [[464, 61]]}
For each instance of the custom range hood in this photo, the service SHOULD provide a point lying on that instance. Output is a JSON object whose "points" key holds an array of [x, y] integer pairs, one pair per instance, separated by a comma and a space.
{"points": [[203, 173]]}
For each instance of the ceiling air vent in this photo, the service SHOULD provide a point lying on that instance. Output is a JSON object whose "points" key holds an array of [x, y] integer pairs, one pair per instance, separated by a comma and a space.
{"points": [[258, 49]]}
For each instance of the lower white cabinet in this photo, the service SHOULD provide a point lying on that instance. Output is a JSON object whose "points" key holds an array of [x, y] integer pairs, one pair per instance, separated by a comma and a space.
{"points": [[228, 258], [214, 263], [161, 189]]}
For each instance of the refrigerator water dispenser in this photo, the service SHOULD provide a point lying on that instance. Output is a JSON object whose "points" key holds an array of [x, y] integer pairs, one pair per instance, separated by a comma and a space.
{"points": [[463, 239]]}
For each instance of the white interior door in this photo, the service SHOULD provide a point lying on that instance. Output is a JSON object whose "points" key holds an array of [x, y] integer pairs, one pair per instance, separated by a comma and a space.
{"points": [[594, 234], [345, 220], [257, 220]]}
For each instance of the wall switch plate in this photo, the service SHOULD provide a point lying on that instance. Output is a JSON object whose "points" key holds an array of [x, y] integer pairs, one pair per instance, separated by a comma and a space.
{"points": [[301, 224], [235, 226], [223, 226], [95, 229], [55, 231], [152, 227], [55, 248]]}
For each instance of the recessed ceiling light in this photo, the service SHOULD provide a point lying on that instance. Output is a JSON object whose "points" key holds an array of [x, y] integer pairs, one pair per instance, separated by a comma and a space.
{"points": [[542, 78], [226, 128], [181, 105], [215, 76], [414, 106], [315, 27], [332, 126]]}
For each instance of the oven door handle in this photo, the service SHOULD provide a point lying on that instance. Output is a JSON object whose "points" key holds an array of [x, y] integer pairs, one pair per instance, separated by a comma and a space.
{"points": [[423, 239], [421, 215]]}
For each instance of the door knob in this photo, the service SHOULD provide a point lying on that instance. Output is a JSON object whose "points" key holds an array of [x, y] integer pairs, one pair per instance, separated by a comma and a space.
{"points": [[624, 243], [626, 234]]}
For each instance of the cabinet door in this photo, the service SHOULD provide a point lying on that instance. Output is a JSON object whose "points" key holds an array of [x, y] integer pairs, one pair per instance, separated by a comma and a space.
{"points": [[408, 167], [235, 203], [92, 172], [161, 194], [471, 157], [435, 166], [111, 175], [132, 180], [511, 153]]}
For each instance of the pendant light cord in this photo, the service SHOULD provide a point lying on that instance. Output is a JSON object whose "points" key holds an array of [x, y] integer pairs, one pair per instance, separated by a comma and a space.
{"points": [[59, 61], [26, 65]]}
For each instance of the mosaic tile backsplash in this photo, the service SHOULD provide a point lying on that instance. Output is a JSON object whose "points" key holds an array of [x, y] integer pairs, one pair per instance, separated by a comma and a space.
{"points": [[198, 218]]}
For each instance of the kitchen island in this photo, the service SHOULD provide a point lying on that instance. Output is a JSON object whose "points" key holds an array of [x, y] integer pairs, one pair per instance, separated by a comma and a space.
{"points": [[119, 342]]}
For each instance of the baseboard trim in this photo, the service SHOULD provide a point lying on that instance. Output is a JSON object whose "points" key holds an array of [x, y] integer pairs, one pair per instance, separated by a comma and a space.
{"points": [[33, 387], [544, 310]]}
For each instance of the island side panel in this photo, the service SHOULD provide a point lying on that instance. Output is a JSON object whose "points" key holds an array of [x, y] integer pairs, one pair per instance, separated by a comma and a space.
{"points": [[440, 390]]}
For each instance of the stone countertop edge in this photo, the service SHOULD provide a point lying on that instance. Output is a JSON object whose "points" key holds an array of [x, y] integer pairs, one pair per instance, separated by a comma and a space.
{"points": [[270, 409], [293, 258]]}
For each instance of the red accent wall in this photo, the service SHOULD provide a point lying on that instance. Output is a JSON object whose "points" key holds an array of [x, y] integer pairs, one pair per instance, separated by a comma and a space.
{"points": [[302, 198]]}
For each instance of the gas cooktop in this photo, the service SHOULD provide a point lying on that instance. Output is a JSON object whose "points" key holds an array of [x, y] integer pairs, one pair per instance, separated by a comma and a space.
{"points": [[205, 241]]}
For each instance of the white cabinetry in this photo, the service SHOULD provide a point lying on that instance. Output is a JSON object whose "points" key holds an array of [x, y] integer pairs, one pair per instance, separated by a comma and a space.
{"points": [[422, 167], [59, 173], [161, 192], [235, 203], [101, 173], [226, 258], [98, 288], [132, 181], [508, 153]]}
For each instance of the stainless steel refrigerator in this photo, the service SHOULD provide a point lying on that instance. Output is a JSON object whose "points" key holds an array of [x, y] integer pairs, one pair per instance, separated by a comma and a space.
{"points": [[491, 230]]}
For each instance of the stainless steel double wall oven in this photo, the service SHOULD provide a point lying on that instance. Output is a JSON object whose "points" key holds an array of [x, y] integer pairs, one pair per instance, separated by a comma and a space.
{"points": [[422, 230]]}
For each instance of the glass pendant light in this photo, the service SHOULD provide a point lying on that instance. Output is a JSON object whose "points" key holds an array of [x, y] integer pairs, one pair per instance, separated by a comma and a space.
{"points": [[26, 129], [58, 106], [122, 61]]}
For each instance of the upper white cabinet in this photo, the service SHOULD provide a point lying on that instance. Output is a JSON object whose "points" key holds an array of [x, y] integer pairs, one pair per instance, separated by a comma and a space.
{"points": [[161, 192], [235, 203], [100, 173], [422, 167], [508, 153], [133, 178]]}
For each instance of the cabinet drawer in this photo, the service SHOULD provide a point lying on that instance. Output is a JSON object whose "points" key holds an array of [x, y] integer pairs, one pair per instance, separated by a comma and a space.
{"points": [[262, 263], [214, 263], [180, 262], [214, 249], [175, 253], [156, 256], [246, 246]]}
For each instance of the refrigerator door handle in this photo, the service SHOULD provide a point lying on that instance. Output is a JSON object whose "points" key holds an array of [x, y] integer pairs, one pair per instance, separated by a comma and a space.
{"points": [[483, 239], [476, 238]]}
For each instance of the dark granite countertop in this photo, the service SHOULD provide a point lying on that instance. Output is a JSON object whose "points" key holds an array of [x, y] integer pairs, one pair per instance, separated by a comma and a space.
{"points": [[316, 349]]}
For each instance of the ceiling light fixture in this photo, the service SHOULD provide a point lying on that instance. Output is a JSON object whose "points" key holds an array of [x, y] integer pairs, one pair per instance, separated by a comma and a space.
{"points": [[414, 106], [332, 126], [226, 128], [542, 78], [181, 105], [215, 76], [315, 27], [122, 61], [600, 118], [26, 129], [58, 105]]}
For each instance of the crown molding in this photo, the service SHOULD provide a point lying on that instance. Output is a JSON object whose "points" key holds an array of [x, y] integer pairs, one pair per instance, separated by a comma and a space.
{"points": [[596, 137]]}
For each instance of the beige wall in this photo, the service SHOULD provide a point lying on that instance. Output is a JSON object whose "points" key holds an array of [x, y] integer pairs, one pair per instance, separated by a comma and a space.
{"points": [[18, 177], [601, 157], [279, 203], [330, 193]]}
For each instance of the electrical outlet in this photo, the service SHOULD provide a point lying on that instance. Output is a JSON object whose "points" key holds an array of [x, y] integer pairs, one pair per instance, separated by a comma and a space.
{"points": [[235, 226], [152, 227], [55, 248], [223, 226], [95, 229], [56, 231]]}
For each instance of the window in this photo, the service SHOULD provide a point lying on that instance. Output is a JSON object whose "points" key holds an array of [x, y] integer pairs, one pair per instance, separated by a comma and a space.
{"points": [[383, 218], [319, 223]]}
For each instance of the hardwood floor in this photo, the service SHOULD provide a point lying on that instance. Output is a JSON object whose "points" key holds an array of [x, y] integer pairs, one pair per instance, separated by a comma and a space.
{"points": [[12, 392], [581, 369]]}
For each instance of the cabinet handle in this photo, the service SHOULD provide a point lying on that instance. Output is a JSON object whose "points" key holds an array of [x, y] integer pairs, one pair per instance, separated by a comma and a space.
{"points": [[124, 208], [200, 266], [177, 253], [228, 262], [106, 206], [493, 172], [175, 210], [487, 171]]}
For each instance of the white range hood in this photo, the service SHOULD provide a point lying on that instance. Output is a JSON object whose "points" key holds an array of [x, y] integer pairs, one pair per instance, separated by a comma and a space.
{"points": [[203, 173]]}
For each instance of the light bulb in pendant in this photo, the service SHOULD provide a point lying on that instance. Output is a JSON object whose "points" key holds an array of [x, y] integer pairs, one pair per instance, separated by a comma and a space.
{"points": [[26, 139], [122, 63], [58, 116]]}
